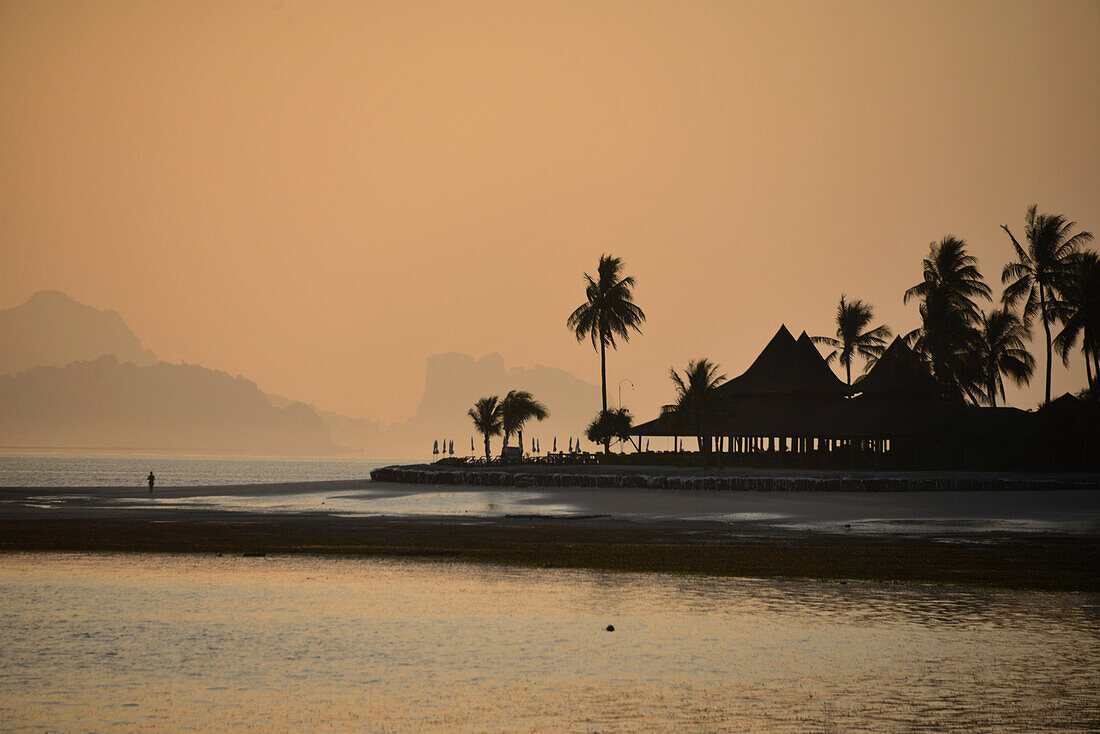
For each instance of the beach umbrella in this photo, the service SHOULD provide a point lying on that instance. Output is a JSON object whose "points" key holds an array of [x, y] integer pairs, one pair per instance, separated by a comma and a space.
{"points": [[472, 449], [647, 445], [435, 447], [570, 444], [555, 448], [452, 445]]}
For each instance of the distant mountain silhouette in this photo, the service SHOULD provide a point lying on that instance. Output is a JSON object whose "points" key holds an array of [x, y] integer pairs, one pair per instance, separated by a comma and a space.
{"points": [[107, 404], [76, 376], [453, 382], [52, 329]]}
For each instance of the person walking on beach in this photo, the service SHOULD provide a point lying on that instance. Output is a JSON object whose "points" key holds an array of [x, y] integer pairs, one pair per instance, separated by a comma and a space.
{"points": [[151, 479]]}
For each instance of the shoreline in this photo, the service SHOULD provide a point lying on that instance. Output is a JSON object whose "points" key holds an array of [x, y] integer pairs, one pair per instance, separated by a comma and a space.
{"points": [[730, 478]]}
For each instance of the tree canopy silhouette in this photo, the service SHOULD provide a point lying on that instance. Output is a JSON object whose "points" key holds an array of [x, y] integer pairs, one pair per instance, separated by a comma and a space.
{"points": [[609, 424], [696, 398], [486, 415], [851, 339], [1002, 352], [609, 312], [1042, 270], [1081, 314], [518, 407], [948, 337]]}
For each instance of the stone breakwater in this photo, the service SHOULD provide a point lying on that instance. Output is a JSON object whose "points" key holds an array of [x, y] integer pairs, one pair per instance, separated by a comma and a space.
{"points": [[717, 483]]}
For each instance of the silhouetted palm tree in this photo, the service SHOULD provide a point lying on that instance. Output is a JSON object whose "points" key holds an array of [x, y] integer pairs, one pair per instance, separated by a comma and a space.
{"points": [[1081, 314], [1002, 352], [851, 339], [1042, 270], [948, 336], [517, 408], [696, 397], [608, 312], [486, 415]]}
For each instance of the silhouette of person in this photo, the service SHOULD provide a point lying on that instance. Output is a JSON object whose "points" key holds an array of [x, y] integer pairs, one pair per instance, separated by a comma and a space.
{"points": [[151, 480]]}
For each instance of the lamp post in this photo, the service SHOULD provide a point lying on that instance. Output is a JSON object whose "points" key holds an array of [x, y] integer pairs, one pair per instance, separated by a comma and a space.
{"points": [[621, 390]]}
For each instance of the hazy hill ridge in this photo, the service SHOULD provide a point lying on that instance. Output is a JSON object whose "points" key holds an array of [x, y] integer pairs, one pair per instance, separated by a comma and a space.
{"points": [[52, 329], [452, 383], [107, 404], [76, 376]]}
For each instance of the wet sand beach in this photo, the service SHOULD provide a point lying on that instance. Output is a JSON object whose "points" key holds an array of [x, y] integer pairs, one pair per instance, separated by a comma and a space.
{"points": [[1017, 539]]}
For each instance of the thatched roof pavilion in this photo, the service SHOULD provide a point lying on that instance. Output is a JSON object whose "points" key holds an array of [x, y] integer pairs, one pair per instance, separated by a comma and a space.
{"points": [[790, 396], [788, 408]]}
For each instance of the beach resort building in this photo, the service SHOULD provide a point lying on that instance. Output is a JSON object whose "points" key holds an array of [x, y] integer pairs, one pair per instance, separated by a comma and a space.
{"points": [[789, 409]]}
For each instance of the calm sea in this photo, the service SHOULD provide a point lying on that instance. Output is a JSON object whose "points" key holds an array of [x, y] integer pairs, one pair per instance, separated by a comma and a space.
{"points": [[124, 470], [200, 643]]}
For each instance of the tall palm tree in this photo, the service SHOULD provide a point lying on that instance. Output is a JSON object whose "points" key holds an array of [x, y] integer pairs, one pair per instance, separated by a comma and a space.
{"points": [[608, 312], [1042, 270], [1081, 314], [948, 335], [695, 398], [486, 415], [851, 339], [1002, 352], [517, 408]]}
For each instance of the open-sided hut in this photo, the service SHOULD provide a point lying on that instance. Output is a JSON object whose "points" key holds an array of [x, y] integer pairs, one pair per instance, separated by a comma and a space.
{"points": [[755, 410], [789, 400], [789, 406]]}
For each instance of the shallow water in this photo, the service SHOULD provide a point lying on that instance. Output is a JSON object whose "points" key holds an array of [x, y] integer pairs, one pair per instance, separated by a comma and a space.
{"points": [[155, 642], [59, 469]]}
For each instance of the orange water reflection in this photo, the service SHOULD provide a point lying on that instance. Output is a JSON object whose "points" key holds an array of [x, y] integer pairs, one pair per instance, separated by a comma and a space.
{"points": [[148, 642]]}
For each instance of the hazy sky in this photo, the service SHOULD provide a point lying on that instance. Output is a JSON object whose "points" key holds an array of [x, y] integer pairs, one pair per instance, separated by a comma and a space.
{"points": [[319, 195]]}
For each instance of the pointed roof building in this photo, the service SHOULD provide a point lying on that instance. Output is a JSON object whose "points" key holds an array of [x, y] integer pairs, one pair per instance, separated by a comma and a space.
{"points": [[786, 366], [899, 372]]}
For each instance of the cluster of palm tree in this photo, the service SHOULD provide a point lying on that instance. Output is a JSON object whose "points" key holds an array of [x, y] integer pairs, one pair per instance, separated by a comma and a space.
{"points": [[970, 351], [1051, 278], [492, 416]]}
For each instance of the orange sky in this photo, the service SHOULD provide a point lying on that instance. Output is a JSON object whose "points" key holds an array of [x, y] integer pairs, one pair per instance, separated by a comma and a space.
{"points": [[319, 195]]}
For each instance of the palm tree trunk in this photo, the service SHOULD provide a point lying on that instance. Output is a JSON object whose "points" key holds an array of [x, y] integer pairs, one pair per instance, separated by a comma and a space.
{"points": [[487, 457], [603, 385], [848, 367], [521, 445], [1046, 328]]}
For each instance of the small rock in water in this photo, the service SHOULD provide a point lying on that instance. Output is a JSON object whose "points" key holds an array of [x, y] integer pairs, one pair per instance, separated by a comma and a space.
{"points": [[610, 628]]}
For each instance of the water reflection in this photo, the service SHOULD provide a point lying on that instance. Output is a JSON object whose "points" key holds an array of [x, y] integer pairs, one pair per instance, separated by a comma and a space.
{"points": [[128, 642], [367, 503]]}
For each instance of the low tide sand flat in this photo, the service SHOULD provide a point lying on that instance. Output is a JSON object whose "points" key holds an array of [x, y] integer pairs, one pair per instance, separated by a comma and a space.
{"points": [[1024, 539]]}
